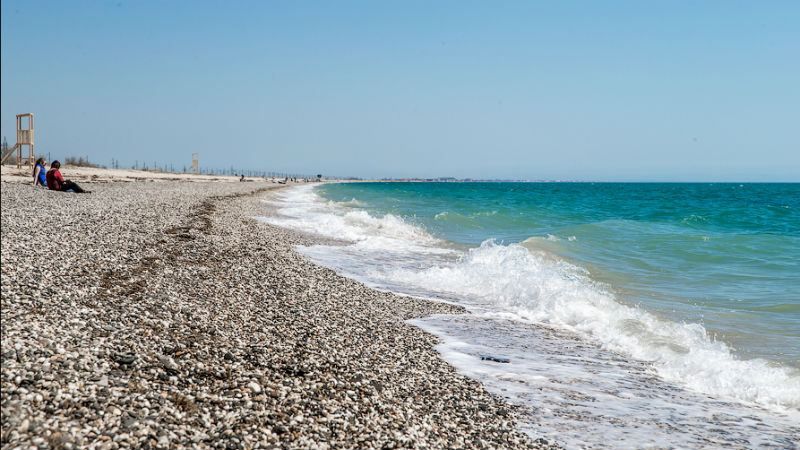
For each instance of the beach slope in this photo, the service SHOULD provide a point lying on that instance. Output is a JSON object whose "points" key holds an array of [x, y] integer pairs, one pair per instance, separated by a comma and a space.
{"points": [[163, 315]]}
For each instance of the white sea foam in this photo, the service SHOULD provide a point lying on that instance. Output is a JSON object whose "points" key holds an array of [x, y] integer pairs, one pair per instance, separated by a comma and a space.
{"points": [[539, 288], [302, 209], [525, 284]]}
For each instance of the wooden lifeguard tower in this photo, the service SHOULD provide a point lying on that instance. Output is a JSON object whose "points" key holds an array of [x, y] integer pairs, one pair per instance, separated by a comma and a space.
{"points": [[24, 137]]}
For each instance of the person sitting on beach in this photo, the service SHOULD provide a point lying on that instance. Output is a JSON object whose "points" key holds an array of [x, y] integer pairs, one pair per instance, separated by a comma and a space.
{"points": [[39, 177], [56, 182]]}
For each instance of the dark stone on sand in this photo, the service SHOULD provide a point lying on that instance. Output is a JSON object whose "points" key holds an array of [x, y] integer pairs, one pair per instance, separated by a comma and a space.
{"points": [[494, 358], [125, 358]]}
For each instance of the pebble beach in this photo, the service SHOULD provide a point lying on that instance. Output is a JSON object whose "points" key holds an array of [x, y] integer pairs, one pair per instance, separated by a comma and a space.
{"points": [[163, 315]]}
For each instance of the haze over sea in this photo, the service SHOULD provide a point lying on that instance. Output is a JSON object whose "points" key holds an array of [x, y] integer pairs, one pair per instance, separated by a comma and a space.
{"points": [[641, 309]]}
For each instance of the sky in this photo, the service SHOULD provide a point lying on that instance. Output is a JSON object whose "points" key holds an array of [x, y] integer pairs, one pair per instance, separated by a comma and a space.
{"points": [[575, 90]]}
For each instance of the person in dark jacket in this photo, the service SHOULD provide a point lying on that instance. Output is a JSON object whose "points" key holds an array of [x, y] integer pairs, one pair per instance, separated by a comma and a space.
{"points": [[56, 182]]}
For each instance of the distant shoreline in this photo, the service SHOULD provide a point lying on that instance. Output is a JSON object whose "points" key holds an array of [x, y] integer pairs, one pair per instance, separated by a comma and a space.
{"points": [[103, 175], [10, 173]]}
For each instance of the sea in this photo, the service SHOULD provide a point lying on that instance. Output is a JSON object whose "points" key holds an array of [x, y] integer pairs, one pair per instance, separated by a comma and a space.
{"points": [[615, 315]]}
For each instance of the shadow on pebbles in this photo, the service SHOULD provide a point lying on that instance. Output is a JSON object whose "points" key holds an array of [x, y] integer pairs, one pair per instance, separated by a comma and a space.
{"points": [[161, 315]]}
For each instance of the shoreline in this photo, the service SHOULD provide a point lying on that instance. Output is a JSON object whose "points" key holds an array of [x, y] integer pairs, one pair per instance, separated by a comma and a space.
{"points": [[85, 174], [174, 318]]}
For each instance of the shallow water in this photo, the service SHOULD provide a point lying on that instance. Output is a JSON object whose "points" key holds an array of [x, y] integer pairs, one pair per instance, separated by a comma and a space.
{"points": [[661, 302], [582, 396]]}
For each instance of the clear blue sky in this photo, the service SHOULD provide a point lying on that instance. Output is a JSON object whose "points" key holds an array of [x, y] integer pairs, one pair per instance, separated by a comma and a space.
{"points": [[611, 90]]}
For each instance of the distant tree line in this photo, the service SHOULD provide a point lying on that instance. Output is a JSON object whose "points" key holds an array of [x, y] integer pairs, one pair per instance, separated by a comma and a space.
{"points": [[80, 161]]}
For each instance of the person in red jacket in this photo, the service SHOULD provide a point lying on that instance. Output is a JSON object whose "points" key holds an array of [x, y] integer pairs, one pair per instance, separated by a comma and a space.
{"points": [[56, 182]]}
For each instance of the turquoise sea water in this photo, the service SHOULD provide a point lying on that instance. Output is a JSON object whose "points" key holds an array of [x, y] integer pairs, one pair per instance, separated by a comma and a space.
{"points": [[629, 315], [724, 255]]}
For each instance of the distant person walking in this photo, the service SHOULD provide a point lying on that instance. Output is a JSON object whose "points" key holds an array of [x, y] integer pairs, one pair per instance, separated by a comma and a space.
{"points": [[56, 182], [39, 173]]}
